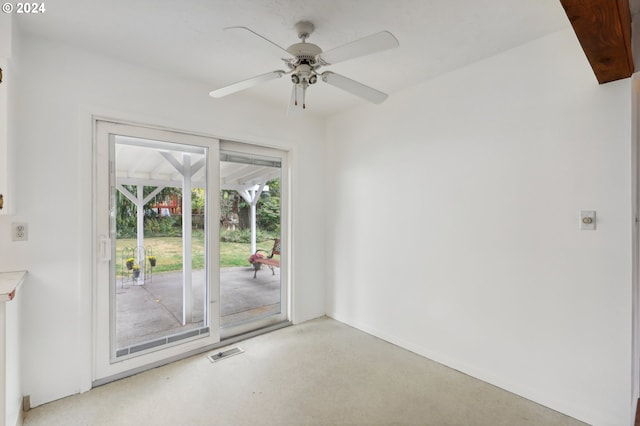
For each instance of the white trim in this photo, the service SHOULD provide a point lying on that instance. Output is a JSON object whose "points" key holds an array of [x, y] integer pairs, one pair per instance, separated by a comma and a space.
{"points": [[635, 248]]}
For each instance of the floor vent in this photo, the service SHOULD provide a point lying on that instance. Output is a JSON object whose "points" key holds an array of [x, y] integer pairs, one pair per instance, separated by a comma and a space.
{"points": [[225, 354]]}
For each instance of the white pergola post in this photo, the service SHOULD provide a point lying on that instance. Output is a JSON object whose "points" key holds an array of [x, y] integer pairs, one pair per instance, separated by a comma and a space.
{"points": [[187, 296], [252, 195], [140, 230], [139, 200], [253, 228], [187, 170]]}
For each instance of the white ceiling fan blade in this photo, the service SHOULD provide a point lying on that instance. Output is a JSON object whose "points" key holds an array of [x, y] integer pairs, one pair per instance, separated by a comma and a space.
{"points": [[371, 44], [353, 87], [245, 84], [281, 50]]}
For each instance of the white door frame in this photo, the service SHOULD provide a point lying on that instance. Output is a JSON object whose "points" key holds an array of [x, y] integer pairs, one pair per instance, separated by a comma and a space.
{"points": [[104, 366]]}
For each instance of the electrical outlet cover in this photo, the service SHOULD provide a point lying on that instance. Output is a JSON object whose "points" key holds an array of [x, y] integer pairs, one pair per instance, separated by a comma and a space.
{"points": [[19, 231]]}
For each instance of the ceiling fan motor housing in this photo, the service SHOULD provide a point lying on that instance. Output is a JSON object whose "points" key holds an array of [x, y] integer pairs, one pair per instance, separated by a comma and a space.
{"points": [[304, 52]]}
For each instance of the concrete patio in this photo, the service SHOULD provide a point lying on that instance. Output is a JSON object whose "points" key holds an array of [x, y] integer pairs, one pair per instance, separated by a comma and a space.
{"points": [[150, 311]]}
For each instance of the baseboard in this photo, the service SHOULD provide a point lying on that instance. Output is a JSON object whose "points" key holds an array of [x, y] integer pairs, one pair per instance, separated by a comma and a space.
{"points": [[565, 407]]}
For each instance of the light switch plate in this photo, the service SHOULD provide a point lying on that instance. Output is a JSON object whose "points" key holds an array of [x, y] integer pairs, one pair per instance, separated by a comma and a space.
{"points": [[587, 220]]}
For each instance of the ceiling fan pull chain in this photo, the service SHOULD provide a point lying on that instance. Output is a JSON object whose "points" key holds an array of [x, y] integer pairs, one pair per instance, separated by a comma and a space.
{"points": [[304, 96], [295, 88]]}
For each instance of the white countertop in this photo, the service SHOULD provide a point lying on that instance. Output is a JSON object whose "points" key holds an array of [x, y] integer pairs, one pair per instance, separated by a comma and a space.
{"points": [[9, 283]]}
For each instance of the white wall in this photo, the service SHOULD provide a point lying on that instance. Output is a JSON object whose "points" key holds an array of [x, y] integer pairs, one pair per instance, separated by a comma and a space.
{"points": [[11, 390], [59, 90], [453, 226]]}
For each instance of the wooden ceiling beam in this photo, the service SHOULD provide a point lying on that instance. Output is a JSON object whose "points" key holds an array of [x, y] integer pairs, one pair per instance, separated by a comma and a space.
{"points": [[603, 28]]}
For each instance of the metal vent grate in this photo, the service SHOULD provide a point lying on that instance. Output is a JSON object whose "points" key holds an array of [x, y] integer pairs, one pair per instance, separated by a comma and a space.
{"points": [[225, 354]]}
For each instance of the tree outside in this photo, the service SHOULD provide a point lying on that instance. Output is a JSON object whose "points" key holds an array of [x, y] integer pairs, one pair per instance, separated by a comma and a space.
{"points": [[163, 227]]}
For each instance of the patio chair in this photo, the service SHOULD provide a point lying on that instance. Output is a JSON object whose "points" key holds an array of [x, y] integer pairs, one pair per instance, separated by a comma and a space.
{"points": [[269, 260]]}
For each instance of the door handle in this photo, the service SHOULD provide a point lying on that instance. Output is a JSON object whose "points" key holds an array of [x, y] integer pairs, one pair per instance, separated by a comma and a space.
{"points": [[104, 248]]}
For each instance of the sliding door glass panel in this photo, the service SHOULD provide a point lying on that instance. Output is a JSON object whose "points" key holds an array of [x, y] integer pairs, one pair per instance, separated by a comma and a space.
{"points": [[159, 260], [252, 290]]}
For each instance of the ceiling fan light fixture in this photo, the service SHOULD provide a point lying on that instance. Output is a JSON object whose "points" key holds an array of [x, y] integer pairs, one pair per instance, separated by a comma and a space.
{"points": [[295, 79]]}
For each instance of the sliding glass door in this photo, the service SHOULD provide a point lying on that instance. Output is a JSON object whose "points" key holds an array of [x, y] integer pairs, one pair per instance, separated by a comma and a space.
{"points": [[253, 194], [191, 244], [157, 278]]}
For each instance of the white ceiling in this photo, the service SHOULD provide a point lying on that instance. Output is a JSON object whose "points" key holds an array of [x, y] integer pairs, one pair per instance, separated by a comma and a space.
{"points": [[186, 37]]}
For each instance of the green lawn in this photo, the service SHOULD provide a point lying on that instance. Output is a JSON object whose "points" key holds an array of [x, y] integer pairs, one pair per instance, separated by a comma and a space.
{"points": [[168, 252]]}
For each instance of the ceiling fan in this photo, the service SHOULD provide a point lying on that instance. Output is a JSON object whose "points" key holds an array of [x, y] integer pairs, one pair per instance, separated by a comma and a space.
{"points": [[304, 59]]}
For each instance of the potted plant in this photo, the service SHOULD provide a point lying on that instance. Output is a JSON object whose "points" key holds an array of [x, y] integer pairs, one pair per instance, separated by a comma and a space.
{"points": [[130, 261], [152, 260], [136, 271], [253, 258]]}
